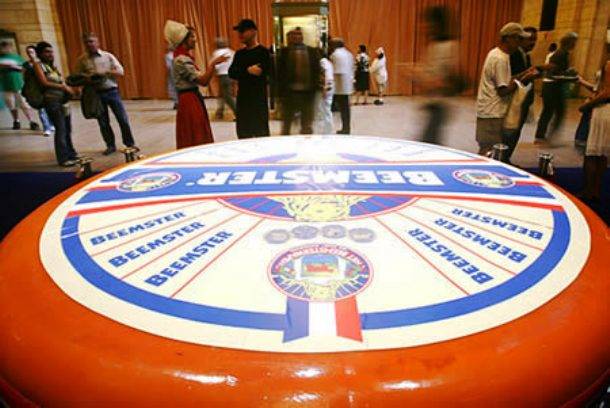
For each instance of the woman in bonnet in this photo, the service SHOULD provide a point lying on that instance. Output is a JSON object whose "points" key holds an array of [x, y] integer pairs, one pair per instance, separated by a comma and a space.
{"points": [[192, 122]]}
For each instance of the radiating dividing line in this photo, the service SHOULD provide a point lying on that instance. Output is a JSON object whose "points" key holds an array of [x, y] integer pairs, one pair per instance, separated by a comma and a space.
{"points": [[490, 212], [479, 227], [166, 210], [180, 245], [188, 282], [421, 256], [174, 225], [458, 244]]}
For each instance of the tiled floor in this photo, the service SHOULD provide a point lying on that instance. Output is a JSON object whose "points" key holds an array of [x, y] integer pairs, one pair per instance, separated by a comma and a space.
{"points": [[153, 125]]}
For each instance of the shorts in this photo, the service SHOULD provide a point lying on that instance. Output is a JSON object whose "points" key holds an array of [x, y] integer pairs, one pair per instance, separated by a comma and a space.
{"points": [[489, 132], [13, 100]]}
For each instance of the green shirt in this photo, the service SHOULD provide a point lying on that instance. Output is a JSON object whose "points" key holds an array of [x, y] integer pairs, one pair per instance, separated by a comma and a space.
{"points": [[11, 80]]}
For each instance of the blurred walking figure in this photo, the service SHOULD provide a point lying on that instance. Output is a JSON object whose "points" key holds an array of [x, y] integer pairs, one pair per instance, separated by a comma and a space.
{"points": [[298, 76], [29, 73], [343, 71], [11, 83], [362, 75], [553, 88], [192, 121], [224, 82], [171, 86], [438, 73], [520, 62], [324, 98], [380, 74], [496, 87], [598, 141], [251, 67], [56, 95], [96, 62], [551, 51]]}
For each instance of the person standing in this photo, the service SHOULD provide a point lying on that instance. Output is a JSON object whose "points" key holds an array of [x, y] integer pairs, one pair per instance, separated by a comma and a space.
{"points": [[496, 86], [324, 114], [56, 94], [553, 95], [380, 74], [343, 67], [171, 86], [11, 83], [250, 68], [28, 67], [192, 121], [298, 76], [551, 51], [97, 62], [362, 75], [520, 61], [222, 72]]}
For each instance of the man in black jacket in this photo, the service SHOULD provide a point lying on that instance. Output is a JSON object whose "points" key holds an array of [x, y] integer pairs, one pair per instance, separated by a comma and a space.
{"points": [[298, 78]]}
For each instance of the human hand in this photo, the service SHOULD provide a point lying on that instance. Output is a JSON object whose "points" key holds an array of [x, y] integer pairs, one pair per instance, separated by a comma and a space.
{"points": [[69, 90], [219, 60], [255, 70]]}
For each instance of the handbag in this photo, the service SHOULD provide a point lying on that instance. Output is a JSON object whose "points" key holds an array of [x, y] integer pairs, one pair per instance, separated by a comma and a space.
{"points": [[513, 114]]}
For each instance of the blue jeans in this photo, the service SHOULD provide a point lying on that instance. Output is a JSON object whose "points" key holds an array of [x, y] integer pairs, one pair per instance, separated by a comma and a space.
{"points": [[112, 99], [47, 126], [64, 150]]}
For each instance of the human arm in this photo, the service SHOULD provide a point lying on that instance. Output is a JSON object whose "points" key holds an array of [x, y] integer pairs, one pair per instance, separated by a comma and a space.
{"points": [[116, 69]]}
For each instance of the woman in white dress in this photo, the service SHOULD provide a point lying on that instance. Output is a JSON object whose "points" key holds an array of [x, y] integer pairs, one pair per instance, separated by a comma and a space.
{"points": [[380, 74], [598, 143], [324, 99]]}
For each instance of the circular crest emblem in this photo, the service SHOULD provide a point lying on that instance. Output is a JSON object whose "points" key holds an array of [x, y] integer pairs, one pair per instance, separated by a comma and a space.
{"points": [[148, 182], [320, 273], [483, 178]]}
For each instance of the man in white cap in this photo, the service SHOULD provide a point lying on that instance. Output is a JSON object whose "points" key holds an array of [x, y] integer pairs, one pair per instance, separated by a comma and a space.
{"points": [[496, 86], [380, 74]]}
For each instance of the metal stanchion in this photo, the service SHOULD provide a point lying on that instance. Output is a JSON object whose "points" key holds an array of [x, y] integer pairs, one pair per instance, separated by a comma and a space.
{"points": [[130, 154], [499, 152], [545, 165], [84, 168]]}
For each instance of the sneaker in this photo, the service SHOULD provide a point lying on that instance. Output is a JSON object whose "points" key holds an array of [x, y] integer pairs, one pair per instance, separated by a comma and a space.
{"points": [[109, 151], [47, 133], [16, 125], [69, 163], [34, 126]]}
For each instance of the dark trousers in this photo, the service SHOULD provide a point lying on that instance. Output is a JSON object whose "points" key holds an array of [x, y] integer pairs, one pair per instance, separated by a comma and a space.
{"points": [[554, 105], [64, 150], [226, 95], [342, 102], [298, 102], [511, 137], [437, 112], [112, 99]]}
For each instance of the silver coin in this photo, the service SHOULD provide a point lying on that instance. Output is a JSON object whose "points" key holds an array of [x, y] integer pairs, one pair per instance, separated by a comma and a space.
{"points": [[277, 236], [333, 231], [364, 235], [304, 232]]}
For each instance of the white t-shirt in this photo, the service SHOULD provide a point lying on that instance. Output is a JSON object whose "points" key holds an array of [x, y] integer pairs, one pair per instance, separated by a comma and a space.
{"points": [[223, 67], [343, 66], [495, 74]]}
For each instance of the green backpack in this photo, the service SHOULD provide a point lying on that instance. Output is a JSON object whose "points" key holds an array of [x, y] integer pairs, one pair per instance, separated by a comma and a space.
{"points": [[32, 91]]}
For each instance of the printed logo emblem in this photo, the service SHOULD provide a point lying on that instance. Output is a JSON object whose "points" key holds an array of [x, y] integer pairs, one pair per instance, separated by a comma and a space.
{"points": [[321, 273], [148, 182], [483, 178]]}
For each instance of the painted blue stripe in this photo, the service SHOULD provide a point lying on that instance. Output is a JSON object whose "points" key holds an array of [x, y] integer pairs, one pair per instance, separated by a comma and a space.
{"points": [[297, 319], [295, 316]]}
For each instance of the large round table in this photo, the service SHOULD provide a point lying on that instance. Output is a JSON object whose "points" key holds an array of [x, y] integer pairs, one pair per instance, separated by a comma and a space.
{"points": [[307, 271]]}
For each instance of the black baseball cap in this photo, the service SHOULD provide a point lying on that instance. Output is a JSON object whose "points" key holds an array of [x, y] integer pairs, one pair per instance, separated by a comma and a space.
{"points": [[245, 24]]}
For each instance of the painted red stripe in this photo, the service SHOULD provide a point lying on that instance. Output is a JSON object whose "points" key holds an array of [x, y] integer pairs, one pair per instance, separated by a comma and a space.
{"points": [[104, 187], [174, 225], [216, 257], [554, 207], [461, 206], [480, 227], [348, 319], [179, 246], [458, 244], [422, 257], [131, 205], [528, 183]]}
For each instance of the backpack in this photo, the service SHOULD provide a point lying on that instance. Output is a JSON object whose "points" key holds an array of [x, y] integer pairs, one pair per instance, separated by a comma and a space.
{"points": [[32, 91]]}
